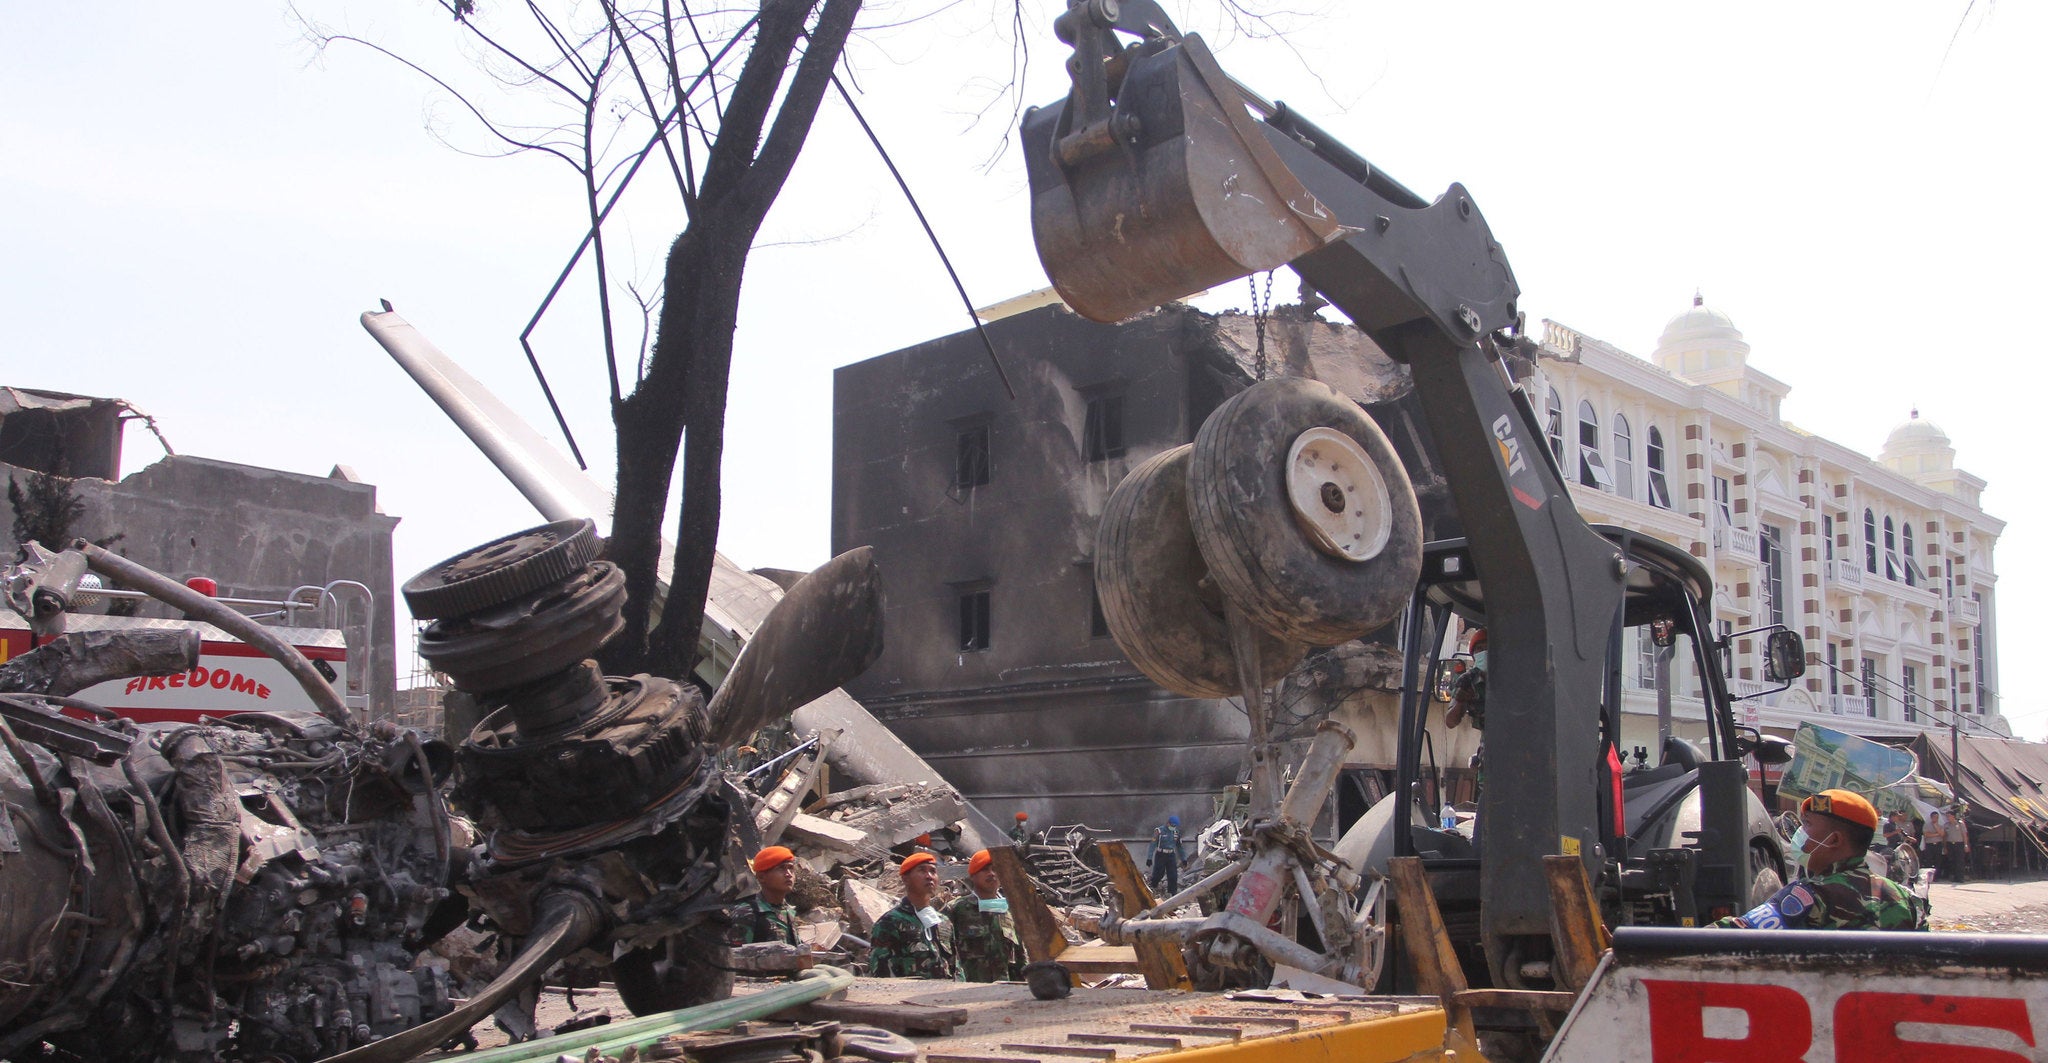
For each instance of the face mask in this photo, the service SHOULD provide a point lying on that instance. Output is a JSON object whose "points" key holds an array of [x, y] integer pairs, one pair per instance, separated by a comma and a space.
{"points": [[1479, 660], [929, 918], [997, 906]]}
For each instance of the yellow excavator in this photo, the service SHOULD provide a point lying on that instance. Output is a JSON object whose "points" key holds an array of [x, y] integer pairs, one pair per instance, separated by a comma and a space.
{"points": [[1289, 523]]}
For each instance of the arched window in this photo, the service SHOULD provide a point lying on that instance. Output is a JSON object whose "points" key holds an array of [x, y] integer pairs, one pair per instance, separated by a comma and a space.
{"points": [[1892, 568], [1653, 462], [1624, 459], [1909, 566], [1869, 542], [1592, 471], [1553, 426]]}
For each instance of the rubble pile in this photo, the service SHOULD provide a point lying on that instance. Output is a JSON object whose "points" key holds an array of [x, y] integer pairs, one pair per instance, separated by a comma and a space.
{"points": [[848, 844]]}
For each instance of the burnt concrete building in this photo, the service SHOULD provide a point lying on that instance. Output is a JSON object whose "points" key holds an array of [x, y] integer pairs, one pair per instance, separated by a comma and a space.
{"points": [[258, 533], [982, 511]]}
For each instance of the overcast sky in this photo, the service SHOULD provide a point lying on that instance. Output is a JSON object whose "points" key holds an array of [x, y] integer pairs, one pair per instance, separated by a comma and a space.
{"points": [[197, 207]]}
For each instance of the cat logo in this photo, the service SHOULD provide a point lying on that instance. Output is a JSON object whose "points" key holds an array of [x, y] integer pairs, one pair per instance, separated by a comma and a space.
{"points": [[1510, 448]]}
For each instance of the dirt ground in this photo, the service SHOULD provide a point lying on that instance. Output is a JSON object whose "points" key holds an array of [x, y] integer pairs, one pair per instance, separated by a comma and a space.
{"points": [[2017, 905]]}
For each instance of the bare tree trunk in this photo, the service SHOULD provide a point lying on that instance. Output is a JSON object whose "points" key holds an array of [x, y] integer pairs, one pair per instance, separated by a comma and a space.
{"points": [[681, 400]]}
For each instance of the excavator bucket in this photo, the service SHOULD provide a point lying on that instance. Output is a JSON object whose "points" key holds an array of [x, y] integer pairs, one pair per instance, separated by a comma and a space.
{"points": [[1152, 182]]}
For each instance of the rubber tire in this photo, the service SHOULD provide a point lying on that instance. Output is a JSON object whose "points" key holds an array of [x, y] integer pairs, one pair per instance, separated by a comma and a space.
{"points": [[1764, 880], [1148, 573], [682, 974], [503, 569], [563, 624], [1909, 858], [1255, 546]]}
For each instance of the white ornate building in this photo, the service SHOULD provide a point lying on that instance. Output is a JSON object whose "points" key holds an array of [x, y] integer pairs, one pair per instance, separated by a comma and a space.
{"points": [[1884, 567]]}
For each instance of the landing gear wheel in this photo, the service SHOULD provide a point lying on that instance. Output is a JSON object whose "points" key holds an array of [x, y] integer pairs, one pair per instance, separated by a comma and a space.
{"points": [[502, 569], [1155, 590], [681, 974], [1304, 513]]}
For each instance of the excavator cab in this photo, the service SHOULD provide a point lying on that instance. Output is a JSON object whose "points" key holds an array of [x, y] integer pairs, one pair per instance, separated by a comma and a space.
{"points": [[1151, 181]]}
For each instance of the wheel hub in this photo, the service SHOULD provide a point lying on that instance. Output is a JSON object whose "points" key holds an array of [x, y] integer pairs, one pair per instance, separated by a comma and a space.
{"points": [[1338, 495]]}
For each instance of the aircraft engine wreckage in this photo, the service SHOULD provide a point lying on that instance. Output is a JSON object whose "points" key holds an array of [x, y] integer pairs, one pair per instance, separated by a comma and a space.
{"points": [[259, 887]]}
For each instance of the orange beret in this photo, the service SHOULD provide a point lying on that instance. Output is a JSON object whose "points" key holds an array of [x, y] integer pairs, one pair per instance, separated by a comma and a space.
{"points": [[1022, 815], [1843, 805], [910, 862], [771, 858], [978, 861]]}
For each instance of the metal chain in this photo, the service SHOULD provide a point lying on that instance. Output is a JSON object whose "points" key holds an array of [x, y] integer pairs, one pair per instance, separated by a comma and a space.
{"points": [[1260, 304]]}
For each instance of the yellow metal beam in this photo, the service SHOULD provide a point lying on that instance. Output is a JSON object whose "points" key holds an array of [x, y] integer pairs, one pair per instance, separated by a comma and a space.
{"points": [[1415, 1036], [1160, 960]]}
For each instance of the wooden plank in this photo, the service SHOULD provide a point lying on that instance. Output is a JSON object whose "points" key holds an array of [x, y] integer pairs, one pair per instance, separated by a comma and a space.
{"points": [[1427, 944], [1232, 1032], [898, 1018], [1158, 958], [1286, 1022], [945, 1058], [1578, 934], [1144, 1040], [1081, 1051], [1036, 926], [1102, 959], [1518, 999]]}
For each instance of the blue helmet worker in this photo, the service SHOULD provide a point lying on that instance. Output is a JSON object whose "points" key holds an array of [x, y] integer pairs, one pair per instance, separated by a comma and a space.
{"points": [[1165, 858]]}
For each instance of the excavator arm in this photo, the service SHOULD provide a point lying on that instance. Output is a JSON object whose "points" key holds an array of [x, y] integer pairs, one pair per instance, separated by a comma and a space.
{"points": [[1160, 177]]}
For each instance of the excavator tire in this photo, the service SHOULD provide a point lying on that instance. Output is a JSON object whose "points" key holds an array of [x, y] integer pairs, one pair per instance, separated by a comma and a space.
{"points": [[1256, 546], [1764, 881], [1154, 592]]}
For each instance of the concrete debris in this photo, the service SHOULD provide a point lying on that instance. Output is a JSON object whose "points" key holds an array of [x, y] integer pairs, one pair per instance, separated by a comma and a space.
{"points": [[863, 904], [828, 838]]}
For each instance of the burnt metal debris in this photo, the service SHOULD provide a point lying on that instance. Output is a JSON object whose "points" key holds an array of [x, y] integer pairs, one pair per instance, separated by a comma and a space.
{"points": [[263, 886]]}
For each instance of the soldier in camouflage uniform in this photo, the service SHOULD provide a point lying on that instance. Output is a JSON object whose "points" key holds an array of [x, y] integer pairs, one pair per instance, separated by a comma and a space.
{"points": [[983, 931], [1838, 892], [768, 915], [912, 940]]}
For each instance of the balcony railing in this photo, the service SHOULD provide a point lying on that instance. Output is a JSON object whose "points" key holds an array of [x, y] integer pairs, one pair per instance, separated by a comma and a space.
{"points": [[1742, 688], [1738, 543], [1964, 610], [1843, 705], [1846, 573]]}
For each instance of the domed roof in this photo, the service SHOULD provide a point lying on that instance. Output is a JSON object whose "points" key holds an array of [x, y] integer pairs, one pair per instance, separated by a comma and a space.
{"points": [[1700, 325], [1916, 431]]}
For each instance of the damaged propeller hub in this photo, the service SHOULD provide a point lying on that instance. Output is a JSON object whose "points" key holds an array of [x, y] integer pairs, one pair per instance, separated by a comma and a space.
{"points": [[561, 746]]}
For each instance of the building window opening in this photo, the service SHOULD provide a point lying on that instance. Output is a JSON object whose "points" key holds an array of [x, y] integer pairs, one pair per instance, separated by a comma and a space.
{"points": [[1773, 557], [1834, 679], [1827, 537], [1646, 659], [1726, 645], [1592, 471], [1624, 459], [1977, 675], [970, 457], [1722, 504], [1914, 577], [1870, 687], [974, 620], [1653, 460], [1553, 426], [1892, 569], [1909, 695], [1102, 436], [1870, 542]]}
